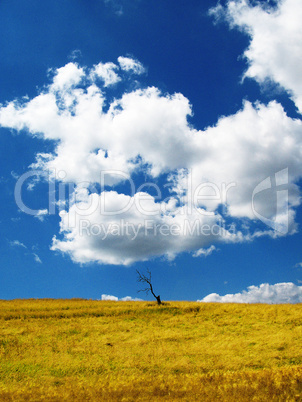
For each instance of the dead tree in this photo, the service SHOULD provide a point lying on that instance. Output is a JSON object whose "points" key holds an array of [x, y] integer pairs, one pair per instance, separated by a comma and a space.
{"points": [[146, 279]]}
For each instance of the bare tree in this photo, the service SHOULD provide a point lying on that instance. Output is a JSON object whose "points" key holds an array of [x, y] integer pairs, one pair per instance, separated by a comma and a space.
{"points": [[146, 279]]}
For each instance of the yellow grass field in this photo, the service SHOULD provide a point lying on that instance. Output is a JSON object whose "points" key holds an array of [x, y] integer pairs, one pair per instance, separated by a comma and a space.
{"points": [[83, 350]]}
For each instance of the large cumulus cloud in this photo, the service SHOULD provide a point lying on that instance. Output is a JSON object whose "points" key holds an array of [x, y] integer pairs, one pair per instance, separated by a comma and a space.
{"points": [[222, 176]]}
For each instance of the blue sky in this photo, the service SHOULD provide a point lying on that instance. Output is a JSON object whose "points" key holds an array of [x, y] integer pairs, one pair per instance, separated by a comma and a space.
{"points": [[162, 135]]}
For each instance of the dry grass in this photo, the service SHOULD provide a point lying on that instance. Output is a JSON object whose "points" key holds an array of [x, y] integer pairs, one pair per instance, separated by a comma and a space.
{"points": [[77, 350]]}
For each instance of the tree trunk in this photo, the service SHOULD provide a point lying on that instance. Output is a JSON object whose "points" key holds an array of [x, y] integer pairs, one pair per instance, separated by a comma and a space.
{"points": [[158, 299]]}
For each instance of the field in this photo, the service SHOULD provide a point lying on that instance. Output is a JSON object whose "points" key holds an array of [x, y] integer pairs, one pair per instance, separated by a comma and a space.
{"points": [[83, 350]]}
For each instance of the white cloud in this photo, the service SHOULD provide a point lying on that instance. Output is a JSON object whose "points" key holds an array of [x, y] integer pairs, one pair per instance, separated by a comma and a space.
{"points": [[156, 124], [134, 229], [272, 294], [17, 243], [114, 298], [75, 55], [41, 214], [298, 265], [67, 77], [109, 297], [275, 50], [129, 64], [205, 252], [37, 258], [106, 72], [14, 175], [239, 152], [146, 130], [129, 298]]}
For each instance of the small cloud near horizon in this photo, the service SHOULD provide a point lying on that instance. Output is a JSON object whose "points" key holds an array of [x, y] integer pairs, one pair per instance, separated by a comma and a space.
{"points": [[114, 298], [280, 293]]}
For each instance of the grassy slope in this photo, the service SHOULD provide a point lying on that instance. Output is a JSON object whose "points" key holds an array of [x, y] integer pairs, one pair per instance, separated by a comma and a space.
{"points": [[95, 350]]}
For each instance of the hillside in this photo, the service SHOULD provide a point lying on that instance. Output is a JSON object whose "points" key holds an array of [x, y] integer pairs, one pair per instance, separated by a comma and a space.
{"points": [[56, 350]]}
